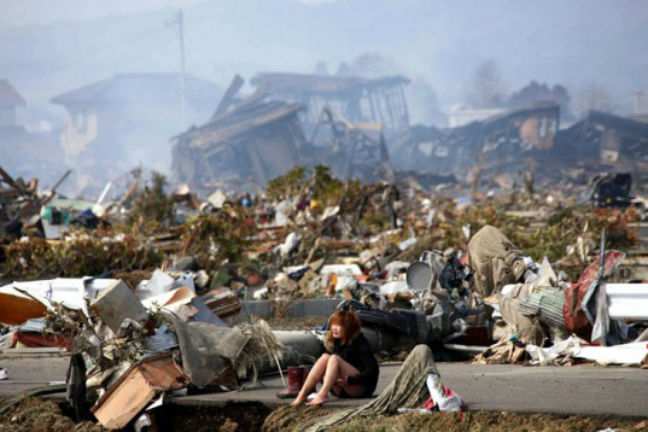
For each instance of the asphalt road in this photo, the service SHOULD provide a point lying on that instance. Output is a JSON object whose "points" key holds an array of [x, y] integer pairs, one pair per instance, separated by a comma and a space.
{"points": [[584, 389]]}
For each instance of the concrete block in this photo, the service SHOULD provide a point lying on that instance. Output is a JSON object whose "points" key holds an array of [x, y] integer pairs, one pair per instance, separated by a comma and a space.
{"points": [[312, 307], [259, 308], [293, 308]]}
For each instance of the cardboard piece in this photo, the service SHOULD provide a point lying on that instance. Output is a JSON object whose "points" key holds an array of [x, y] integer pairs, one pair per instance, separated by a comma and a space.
{"points": [[171, 299], [133, 391]]}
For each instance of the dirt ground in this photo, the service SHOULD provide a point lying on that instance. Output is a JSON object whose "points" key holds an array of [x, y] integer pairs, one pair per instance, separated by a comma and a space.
{"points": [[492, 421], [232, 417], [293, 420], [42, 415]]}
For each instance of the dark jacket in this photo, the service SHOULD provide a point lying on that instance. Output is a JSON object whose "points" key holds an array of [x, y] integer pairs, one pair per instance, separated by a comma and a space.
{"points": [[359, 354]]}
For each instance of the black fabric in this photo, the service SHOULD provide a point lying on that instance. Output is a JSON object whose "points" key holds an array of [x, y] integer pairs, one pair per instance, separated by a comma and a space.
{"points": [[452, 275], [297, 275], [75, 380], [402, 322], [342, 394], [358, 353]]}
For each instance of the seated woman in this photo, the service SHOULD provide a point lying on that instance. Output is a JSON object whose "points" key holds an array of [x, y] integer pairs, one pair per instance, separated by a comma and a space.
{"points": [[349, 369]]}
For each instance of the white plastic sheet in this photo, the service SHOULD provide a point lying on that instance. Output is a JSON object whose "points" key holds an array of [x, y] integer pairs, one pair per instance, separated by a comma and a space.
{"points": [[625, 354], [545, 356], [395, 287]]}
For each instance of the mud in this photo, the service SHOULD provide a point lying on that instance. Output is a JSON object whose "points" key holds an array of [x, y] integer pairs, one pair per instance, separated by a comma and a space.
{"points": [[283, 419], [42, 415], [239, 417], [292, 419]]}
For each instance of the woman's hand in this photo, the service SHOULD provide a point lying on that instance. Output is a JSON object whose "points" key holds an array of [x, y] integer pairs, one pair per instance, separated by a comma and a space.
{"points": [[342, 381]]}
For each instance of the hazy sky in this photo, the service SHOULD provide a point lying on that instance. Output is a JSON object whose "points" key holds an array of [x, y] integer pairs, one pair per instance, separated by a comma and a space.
{"points": [[50, 46], [21, 12]]}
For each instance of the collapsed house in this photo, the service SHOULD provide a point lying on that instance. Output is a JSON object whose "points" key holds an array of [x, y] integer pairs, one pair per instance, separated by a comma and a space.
{"points": [[606, 142], [106, 132], [255, 139], [380, 100], [527, 142], [24, 150], [351, 149], [249, 144], [488, 148], [360, 128], [26, 210]]}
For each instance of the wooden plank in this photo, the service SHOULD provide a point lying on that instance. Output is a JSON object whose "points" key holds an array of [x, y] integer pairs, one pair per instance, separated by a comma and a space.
{"points": [[123, 404], [228, 97], [60, 181], [163, 374], [136, 388], [9, 180], [223, 302]]}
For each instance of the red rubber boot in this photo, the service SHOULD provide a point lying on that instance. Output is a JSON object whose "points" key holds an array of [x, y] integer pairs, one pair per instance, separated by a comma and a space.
{"points": [[295, 382]]}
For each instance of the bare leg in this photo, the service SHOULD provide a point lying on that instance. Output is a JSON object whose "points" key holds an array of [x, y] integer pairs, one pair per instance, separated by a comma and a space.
{"points": [[316, 374], [336, 368], [330, 377]]}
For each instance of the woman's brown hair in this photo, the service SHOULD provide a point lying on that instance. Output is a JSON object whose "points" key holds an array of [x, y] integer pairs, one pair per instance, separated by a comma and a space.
{"points": [[350, 323]]}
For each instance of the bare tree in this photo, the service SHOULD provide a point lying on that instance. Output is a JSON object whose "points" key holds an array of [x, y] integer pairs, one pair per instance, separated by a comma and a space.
{"points": [[593, 96], [487, 88]]}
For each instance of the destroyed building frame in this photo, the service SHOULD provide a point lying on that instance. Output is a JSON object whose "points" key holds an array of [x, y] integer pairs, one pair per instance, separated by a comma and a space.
{"points": [[380, 100], [250, 144]]}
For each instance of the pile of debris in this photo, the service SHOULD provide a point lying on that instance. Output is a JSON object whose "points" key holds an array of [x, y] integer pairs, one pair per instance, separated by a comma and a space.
{"points": [[525, 146], [538, 309], [21, 204], [251, 140], [128, 347], [151, 300]]}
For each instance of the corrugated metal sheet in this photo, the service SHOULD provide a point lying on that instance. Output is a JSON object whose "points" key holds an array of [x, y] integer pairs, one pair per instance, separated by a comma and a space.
{"points": [[548, 304]]}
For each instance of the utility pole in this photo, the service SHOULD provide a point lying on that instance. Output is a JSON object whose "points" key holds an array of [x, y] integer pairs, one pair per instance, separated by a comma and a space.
{"points": [[183, 104]]}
